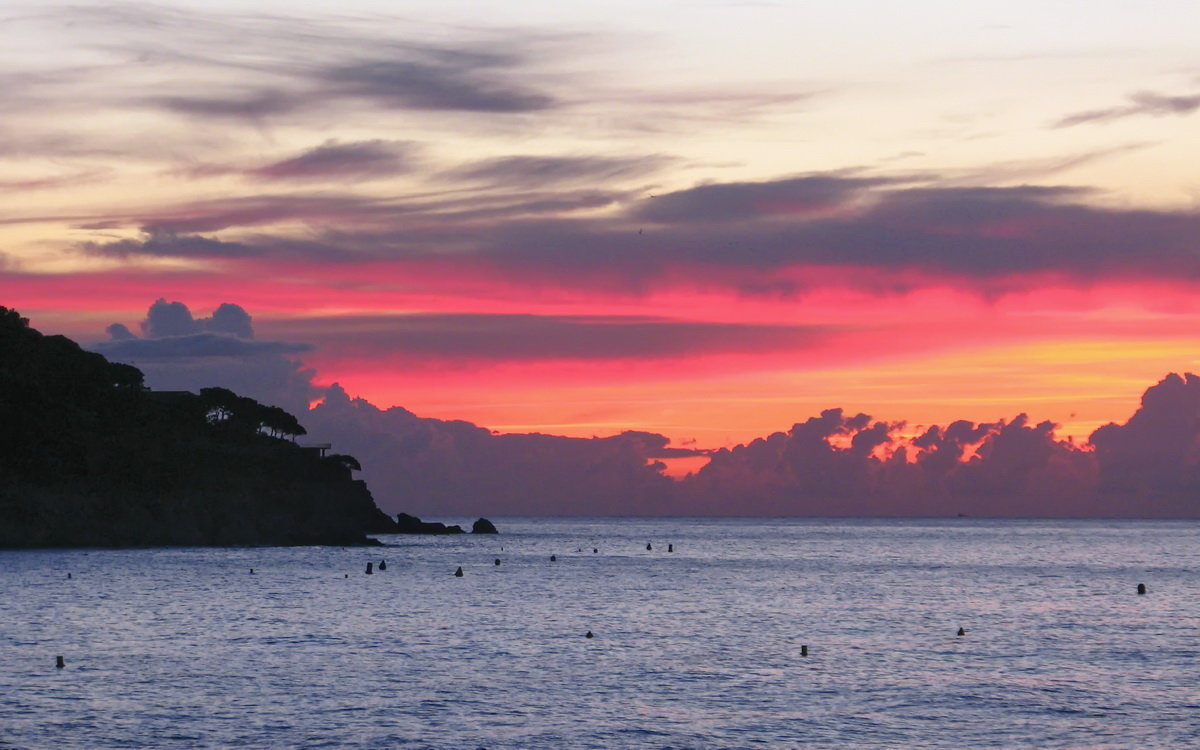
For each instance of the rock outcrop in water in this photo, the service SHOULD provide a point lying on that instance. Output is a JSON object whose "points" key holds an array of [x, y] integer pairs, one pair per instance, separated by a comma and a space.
{"points": [[483, 526], [89, 457], [406, 524]]}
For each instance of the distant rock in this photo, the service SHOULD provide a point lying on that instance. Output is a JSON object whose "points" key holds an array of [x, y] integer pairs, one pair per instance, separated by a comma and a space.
{"points": [[406, 524], [484, 526]]}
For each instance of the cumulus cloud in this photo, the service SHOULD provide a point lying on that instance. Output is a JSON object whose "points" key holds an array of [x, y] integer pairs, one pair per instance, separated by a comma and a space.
{"points": [[1153, 460], [841, 465], [178, 351], [433, 466], [833, 464], [837, 463], [1140, 103]]}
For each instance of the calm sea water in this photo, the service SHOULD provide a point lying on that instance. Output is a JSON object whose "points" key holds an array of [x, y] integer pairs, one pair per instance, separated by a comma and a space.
{"points": [[699, 648]]}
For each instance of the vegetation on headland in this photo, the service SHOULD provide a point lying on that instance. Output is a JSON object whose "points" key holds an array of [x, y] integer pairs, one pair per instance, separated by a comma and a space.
{"points": [[90, 457]]}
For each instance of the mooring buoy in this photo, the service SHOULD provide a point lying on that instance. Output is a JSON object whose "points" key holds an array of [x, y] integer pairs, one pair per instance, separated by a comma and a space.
{"points": [[458, 573], [369, 570], [58, 662], [1141, 589]]}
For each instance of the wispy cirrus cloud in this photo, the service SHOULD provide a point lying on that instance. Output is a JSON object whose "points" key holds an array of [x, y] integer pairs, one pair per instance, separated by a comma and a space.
{"points": [[360, 160], [454, 83], [331, 161], [1140, 103], [540, 171]]}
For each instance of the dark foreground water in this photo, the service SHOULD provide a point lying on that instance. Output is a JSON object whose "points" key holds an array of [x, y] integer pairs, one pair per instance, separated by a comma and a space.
{"points": [[699, 648]]}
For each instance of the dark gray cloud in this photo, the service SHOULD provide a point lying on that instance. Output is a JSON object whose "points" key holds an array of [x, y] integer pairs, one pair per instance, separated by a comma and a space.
{"points": [[980, 233], [736, 234], [456, 83], [480, 337], [253, 105], [165, 243], [800, 197], [470, 84], [137, 351], [537, 171], [1140, 103], [359, 160]]}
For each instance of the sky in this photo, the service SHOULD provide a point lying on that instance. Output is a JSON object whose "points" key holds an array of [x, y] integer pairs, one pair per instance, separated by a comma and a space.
{"points": [[703, 220]]}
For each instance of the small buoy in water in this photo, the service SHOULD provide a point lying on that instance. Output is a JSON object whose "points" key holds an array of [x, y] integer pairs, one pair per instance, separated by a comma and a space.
{"points": [[1141, 589], [58, 662], [383, 564], [347, 575], [497, 561], [648, 546], [553, 558], [670, 548], [595, 550], [587, 635], [804, 650], [579, 549], [251, 571], [962, 631], [68, 576], [369, 571], [458, 573]]}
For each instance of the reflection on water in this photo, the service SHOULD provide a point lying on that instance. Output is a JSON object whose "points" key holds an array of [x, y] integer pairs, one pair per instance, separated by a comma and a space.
{"points": [[696, 648]]}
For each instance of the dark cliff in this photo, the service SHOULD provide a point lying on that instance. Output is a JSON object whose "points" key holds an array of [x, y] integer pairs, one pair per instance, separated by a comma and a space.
{"points": [[89, 457]]}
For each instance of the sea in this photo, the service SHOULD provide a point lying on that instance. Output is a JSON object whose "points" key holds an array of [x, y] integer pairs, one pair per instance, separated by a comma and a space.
{"points": [[707, 633]]}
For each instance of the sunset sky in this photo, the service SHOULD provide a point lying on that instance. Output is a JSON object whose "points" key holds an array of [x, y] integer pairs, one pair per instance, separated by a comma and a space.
{"points": [[703, 219]]}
